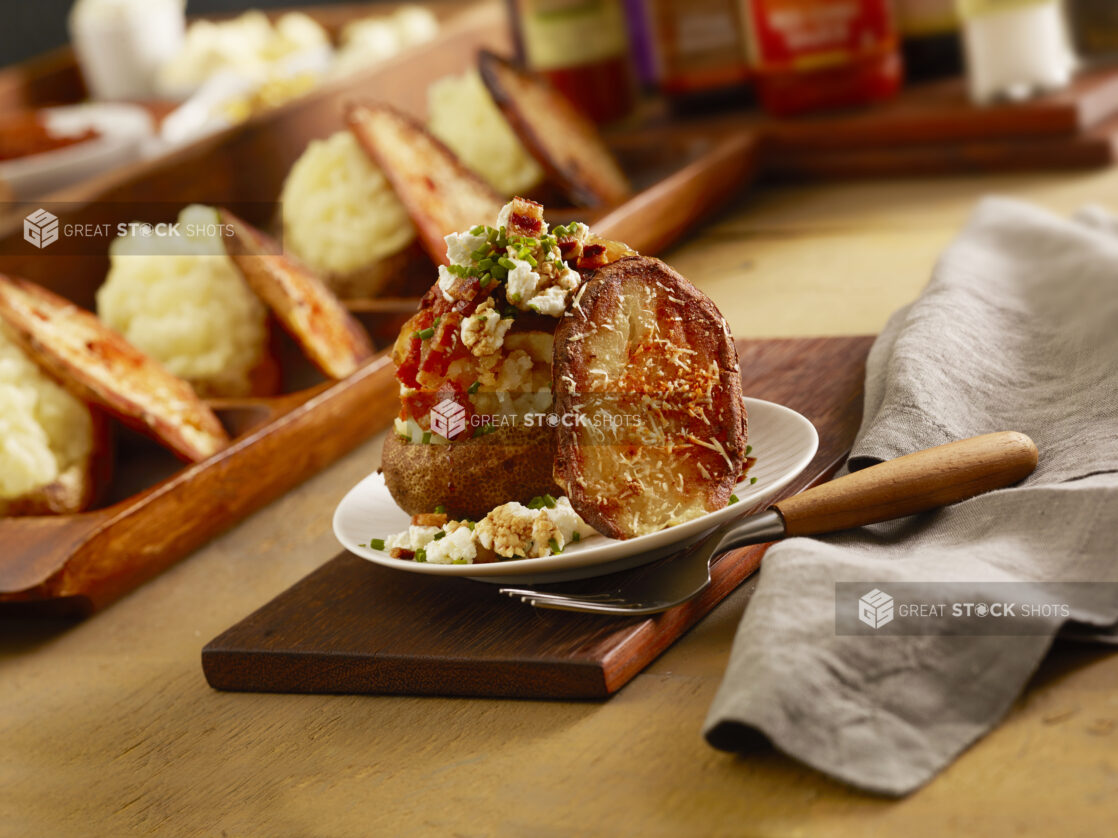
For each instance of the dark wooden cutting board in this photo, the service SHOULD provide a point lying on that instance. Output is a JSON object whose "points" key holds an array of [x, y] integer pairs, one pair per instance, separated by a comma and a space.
{"points": [[355, 627]]}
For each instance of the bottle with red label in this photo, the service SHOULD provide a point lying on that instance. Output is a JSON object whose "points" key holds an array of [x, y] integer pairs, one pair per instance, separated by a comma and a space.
{"points": [[814, 55]]}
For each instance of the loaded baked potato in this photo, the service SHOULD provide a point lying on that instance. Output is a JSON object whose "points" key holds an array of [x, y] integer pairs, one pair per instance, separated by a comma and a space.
{"points": [[515, 374]]}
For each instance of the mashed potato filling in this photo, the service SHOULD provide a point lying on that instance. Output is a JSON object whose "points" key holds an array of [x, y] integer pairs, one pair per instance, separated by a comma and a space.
{"points": [[43, 429], [182, 301], [462, 114], [339, 212]]}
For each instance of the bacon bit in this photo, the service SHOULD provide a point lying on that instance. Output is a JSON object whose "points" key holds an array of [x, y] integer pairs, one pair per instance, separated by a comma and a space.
{"points": [[593, 257], [525, 218], [570, 248], [429, 519], [401, 553]]}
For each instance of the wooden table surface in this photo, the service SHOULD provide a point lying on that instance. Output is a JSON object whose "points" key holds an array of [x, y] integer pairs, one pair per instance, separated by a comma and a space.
{"points": [[108, 728]]}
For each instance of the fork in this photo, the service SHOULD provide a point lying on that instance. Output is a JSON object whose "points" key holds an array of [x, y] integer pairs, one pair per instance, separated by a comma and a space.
{"points": [[913, 483]]}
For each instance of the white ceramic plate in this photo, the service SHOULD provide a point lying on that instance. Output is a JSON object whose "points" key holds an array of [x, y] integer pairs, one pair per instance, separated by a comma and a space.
{"points": [[123, 129], [783, 442]]}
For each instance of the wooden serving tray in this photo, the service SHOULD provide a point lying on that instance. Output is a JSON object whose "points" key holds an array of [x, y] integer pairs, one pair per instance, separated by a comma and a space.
{"points": [[356, 627], [158, 511]]}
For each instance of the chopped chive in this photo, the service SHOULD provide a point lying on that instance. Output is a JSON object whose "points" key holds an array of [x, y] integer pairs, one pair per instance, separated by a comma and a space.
{"points": [[469, 523], [376, 543], [576, 537], [420, 555], [734, 498], [752, 480], [426, 437], [549, 501], [415, 335], [514, 298], [485, 280], [748, 450], [440, 509], [506, 263], [555, 548], [459, 561], [424, 334], [531, 260], [535, 503], [499, 272], [473, 388], [439, 535], [478, 230]]}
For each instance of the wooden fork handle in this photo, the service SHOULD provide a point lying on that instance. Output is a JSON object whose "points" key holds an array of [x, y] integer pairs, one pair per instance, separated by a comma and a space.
{"points": [[913, 483]]}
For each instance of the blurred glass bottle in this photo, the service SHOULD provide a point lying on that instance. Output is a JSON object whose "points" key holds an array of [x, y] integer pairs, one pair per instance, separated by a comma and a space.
{"points": [[1015, 49], [819, 54], [581, 47], [1094, 27], [930, 40], [701, 50]]}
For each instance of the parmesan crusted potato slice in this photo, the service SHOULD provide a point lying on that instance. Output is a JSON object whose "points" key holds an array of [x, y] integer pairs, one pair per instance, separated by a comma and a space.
{"points": [[98, 366], [565, 142], [441, 195], [320, 324], [648, 388]]}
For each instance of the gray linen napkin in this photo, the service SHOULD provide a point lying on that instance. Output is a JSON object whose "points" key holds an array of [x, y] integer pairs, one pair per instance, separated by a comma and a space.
{"points": [[1017, 330]]}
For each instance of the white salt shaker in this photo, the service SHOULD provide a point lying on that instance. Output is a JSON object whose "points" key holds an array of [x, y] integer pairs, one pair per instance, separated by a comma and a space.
{"points": [[1015, 49], [120, 44]]}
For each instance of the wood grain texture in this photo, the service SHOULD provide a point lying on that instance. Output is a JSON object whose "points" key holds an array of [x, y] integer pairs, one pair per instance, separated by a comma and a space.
{"points": [[939, 113], [913, 483], [1094, 147], [352, 626]]}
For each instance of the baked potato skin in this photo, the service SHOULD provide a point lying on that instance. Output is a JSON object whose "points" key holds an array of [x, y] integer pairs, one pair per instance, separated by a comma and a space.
{"points": [[472, 477]]}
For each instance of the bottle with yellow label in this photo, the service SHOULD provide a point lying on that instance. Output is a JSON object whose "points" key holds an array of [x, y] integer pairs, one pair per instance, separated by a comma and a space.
{"points": [[582, 48]]}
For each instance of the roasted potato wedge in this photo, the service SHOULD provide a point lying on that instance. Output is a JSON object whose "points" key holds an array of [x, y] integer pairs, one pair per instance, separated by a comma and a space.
{"points": [[441, 195], [565, 142], [98, 366], [334, 341], [472, 477], [648, 362]]}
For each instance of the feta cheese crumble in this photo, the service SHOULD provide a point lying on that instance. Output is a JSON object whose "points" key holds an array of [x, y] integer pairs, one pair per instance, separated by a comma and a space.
{"points": [[511, 531]]}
